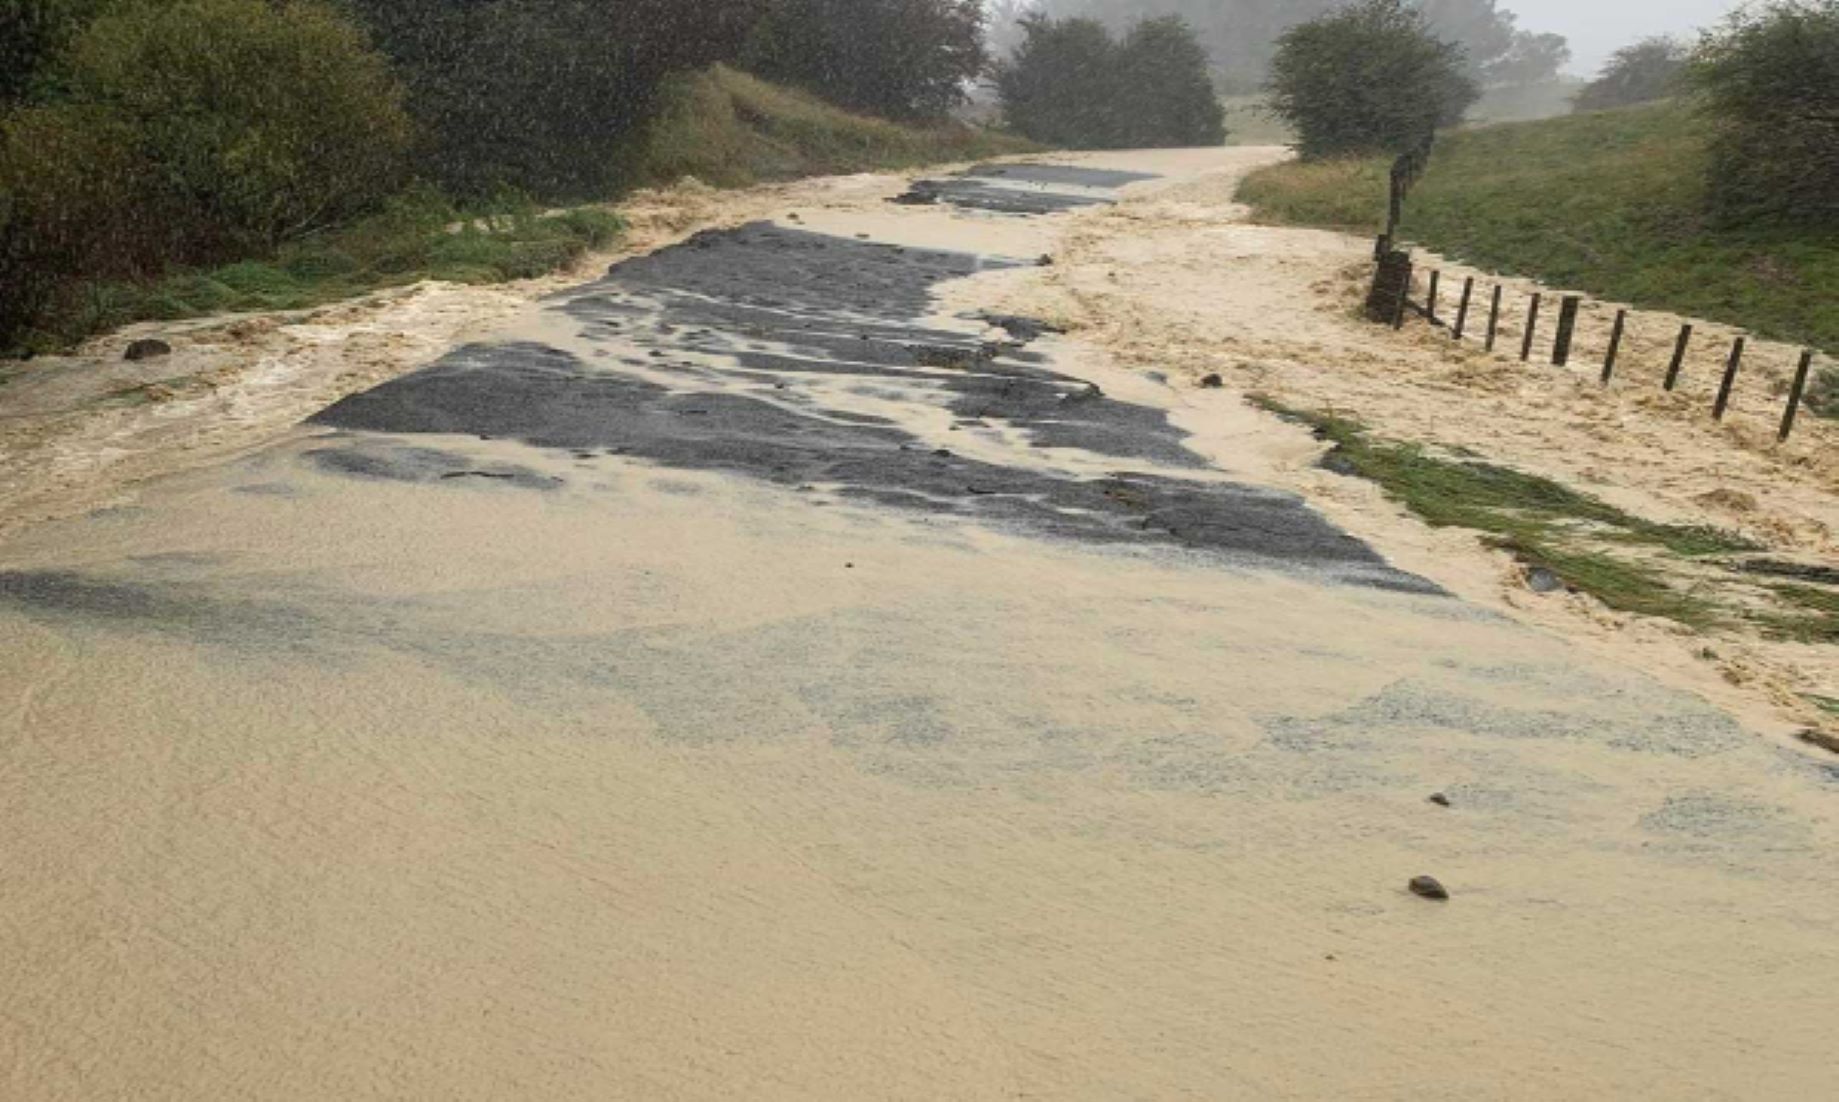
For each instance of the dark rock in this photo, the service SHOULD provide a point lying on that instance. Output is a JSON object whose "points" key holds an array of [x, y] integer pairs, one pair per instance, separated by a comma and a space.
{"points": [[1427, 887], [1541, 580], [1212, 382], [1821, 739], [1440, 799], [1337, 462], [1045, 261], [147, 350]]}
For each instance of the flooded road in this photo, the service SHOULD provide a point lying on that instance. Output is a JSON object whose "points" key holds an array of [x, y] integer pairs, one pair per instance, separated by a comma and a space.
{"points": [[776, 669]]}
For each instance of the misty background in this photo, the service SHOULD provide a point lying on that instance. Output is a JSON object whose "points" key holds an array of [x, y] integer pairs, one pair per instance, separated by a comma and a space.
{"points": [[1598, 28]]}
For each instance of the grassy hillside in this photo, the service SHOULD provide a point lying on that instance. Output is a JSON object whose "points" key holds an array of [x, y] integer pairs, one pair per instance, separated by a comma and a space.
{"points": [[730, 129], [722, 126], [1609, 203]]}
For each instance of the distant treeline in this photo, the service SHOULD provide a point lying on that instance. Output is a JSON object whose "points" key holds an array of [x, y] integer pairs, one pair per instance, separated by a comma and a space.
{"points": [[1242, 36]]}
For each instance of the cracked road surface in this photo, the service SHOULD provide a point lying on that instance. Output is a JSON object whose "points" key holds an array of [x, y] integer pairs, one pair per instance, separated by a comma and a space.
{"points": [[772, 671]]}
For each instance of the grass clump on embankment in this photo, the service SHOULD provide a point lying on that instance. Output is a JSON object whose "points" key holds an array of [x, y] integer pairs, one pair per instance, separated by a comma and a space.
{"points": [[418, 236], [727, 128], [1613, 203], [1578, 538]]}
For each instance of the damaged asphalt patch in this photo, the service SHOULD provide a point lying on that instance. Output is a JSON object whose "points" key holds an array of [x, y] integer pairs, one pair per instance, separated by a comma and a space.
{"points": [[1022, 189], [727, 353]]}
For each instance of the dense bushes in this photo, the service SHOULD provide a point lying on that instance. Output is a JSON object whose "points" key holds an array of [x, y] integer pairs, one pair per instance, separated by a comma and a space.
{"points": [[1368, 78], [255, 122], [1070, 83], [186, 132], [1649, 70], [903, 59], [543, 95], [1770, 78], [33, 33]]}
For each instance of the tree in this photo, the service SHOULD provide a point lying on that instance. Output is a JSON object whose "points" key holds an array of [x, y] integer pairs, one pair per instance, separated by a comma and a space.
{"points": [[1241, 36], [1166, 95], [1649, 70], [33, 33], [1770, 79], [1498, 51], [545, 96], [1057, 89], [908, 59], [1369, 78], [1071, 84]]}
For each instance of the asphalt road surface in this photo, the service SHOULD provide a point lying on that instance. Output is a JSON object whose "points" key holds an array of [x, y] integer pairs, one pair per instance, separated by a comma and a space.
{"points": [[771, 670]]}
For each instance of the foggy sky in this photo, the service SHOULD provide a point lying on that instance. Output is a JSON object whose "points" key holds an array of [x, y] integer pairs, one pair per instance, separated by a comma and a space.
{"points": [[1597, 28]]}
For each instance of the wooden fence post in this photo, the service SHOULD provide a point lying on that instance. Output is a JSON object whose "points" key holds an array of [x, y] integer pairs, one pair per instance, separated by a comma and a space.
{"points": [[1730, 380], [1494, 317], [1679, 356], [1567, 330], [1404, 298], [1795, 393], [1430, 301], [1532, 325], [1615, 346], [1462, 310]]}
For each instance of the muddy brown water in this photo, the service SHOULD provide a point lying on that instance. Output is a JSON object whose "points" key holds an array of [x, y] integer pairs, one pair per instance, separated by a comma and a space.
{"points": [[637, 703]]}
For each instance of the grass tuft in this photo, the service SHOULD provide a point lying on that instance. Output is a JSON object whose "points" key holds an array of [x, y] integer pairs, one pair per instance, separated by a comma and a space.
{"points": [[1543, 523]]}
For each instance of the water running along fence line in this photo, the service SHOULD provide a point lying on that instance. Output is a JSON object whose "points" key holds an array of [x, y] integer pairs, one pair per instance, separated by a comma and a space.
{"points": [[1389, 301]]}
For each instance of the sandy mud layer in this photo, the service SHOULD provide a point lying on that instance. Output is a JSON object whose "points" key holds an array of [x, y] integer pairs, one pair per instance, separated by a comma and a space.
{"points": [[636, 703]]}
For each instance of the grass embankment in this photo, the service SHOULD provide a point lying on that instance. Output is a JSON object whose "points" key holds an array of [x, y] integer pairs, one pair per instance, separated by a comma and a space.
{"points": [[722, 126], [1693, 575], [420, 236], [1584, 542], [730, 129], [1611, 203]]}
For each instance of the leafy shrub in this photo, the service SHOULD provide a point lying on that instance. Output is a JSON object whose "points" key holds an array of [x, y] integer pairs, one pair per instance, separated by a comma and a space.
{"points": [[259, 122], [1771, 82], [1054, 89], [543, 96], [903, 59], [74, 199], [1369, 78], [1167, 96], [1647, 71], [184, 132], [33, 34], [1071, 84]]}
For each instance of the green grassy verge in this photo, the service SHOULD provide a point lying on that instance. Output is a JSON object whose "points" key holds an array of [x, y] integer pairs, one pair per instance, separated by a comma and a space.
{"points": [[1609, 203], [421, 236], [1578, 538]]}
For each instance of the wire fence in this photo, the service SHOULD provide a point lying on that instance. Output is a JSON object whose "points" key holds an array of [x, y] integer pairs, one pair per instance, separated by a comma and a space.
{"points": [[1390, 301]]}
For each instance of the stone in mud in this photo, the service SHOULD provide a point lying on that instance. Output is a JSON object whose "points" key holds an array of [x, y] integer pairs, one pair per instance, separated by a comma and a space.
{"points": [[1541, 580], [1022, 329], [1212, 382], [147, 350], [1428, 887], [1439, 799], [1337, 462]]}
